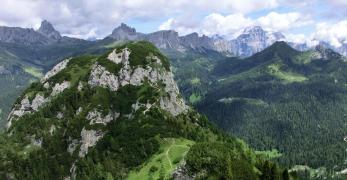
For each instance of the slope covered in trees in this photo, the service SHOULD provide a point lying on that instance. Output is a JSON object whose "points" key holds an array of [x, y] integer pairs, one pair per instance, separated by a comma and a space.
{"points": [[287, 100]]}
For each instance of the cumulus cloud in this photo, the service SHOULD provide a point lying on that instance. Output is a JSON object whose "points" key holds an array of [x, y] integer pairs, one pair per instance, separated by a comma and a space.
{"points": [[232, 25], [283, 22], [79, 17], [335, 34]]}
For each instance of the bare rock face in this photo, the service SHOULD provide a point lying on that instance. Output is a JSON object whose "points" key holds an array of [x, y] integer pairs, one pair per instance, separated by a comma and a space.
{"points": [[80, 86], [136, 76], [119, 57], [38, 101], [48, 30], [89, 139], [181, 173], [56, 69], [58, 88], [72, 146], [25, 107], [101, 77], [96, 117]]}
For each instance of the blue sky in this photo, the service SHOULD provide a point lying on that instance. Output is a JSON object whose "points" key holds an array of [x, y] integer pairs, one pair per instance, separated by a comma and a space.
{"points": [[299, 20]]}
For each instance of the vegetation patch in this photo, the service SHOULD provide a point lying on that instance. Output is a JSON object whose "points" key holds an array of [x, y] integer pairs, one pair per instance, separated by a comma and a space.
{"points": [[274, 153], [194, 98], [36, 72], [195, 81], [304, 58], [161, 165], [241, 99], [76, 70], [109, 65], [287, 77]]}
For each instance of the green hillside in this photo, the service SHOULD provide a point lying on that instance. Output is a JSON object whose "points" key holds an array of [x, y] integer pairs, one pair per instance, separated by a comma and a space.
{"points": [[283, 99], [119, 116]]}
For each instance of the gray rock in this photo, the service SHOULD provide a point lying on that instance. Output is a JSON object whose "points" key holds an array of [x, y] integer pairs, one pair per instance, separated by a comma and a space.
{"points": [[79, 110], [181, 173], [37, 102], [58, 88], [136, 76], [72, 146], [96, 117], [89, 139], [24, 36], [48, 30], [253, 40], [124, 32], [56, 69], [101, 77], [60, 115]]}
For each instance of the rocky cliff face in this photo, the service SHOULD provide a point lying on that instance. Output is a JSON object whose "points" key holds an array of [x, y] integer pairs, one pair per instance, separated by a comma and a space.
{"points": [[22, 36], [48, 30], [253, 40], [124, 32], [46, 34], [169, 39]]}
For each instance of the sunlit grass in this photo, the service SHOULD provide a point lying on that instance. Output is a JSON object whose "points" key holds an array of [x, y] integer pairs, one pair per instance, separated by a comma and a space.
{"points": [[163, 163]]}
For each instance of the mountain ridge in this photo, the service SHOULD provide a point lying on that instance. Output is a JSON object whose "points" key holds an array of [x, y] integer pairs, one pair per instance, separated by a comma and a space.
{"points": [[109, 116], [252, 40], [285, 99]]}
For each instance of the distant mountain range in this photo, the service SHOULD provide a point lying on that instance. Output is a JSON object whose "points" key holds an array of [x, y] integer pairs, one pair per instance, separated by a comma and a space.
{"points": [[250, 41], [45, 35]]}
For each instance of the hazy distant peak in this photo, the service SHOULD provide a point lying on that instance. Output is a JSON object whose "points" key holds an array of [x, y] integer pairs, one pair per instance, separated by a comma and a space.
{"points": [[252, 29], [48, 30]]}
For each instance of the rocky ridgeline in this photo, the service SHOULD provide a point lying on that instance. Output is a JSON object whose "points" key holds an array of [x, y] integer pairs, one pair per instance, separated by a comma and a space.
{"points": [[154, 74]]}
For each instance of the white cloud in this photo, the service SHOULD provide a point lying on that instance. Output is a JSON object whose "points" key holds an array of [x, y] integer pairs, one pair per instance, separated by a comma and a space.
{"points": [[233, 24], [335, 34], [338, 2], [224, 25], [79, 16], [283, 22], [167, 24]]}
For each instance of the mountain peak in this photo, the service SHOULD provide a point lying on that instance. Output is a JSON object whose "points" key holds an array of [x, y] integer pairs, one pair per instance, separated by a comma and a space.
{"points": [[280, 47], [326, 53], [253, 29], [127, 28], [48, 30], [124, 32]]}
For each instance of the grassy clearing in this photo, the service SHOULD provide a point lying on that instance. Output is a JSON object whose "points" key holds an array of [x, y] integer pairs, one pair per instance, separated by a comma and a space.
{"points": [[34, 71], [194, 98], [162, 164], [252, 73], [287, 77], [247, 100], [195, 81], [274, 153], [113, 44], [304, 58]]}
